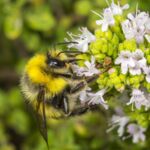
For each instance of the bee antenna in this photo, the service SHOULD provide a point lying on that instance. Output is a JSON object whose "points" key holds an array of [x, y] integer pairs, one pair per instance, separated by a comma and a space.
{"points": [[63, 43]]}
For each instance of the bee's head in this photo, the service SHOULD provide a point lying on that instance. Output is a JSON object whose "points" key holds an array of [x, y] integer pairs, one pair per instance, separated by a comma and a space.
{"points": [[54, 61], [59, 60]]}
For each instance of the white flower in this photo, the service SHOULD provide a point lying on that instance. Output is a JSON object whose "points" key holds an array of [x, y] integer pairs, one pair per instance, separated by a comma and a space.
{"points": [[86, 34], [138, 98], [106, 20], [140, 62], [88, 70], [128, 30], [126, 61], [137, 132], [136, 26], [97, 98], [117, 9], [135, 62], [90, 98], [139, 36], [136, 70], [83, 95], [139, 58], [81, 41], [139, 20], [147, 72], [120, 122]]}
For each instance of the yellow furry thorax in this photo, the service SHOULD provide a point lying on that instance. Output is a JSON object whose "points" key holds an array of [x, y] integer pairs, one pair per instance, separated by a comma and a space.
{"points": [[35, 73]]}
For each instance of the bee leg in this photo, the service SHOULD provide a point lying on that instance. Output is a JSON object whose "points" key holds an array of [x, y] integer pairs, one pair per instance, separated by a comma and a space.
{"points": [[68, 75], [65, 105], [82, 84], [41, 119], [71, 53], [60, 102], [79, 111]]}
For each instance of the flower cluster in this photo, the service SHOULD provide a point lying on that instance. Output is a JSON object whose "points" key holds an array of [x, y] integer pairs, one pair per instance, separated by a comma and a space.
{"points": [[119, 52], [135, 62], [122, 122], [137, 26]]}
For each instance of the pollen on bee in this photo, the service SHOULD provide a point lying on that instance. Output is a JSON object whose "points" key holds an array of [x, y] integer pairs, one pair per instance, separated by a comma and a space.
{"points": [[34, 71]]}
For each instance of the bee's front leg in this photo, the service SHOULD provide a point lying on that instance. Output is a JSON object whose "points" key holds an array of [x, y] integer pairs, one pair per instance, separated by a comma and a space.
{"points": [[84, 83]]}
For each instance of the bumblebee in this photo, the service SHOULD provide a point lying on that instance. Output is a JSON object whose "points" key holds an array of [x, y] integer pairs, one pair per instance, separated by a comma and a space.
{"points": [[51, 88]]}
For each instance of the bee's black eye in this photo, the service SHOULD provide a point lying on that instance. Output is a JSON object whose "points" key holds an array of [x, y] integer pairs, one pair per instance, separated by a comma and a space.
{"points": [[55, 63]]}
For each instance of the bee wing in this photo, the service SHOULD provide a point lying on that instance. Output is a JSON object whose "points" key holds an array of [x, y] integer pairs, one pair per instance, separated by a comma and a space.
{"points": [[41, 117]]}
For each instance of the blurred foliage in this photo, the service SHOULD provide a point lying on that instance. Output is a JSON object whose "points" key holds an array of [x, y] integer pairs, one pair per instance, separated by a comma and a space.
{"points": [[30, 26]]}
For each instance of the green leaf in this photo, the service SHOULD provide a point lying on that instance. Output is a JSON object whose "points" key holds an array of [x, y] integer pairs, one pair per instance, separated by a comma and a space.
{"points": [[40, 18], [83, 7], [13, 26]]}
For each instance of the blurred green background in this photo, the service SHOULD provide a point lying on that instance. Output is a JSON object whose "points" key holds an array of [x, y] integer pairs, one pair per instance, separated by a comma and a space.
{"points": [[30, 26]]}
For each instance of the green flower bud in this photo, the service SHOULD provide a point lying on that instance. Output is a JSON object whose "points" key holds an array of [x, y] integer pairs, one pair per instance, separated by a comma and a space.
{"points": [[110, 49], [100, 57], [122, 77], [108, 35], [96, 46], [130, 44], [147, 51], [134, 80], [116, 80], [115, 54], [147, 85], [118, 19], [142, 120], [104, 48], [148, 59], [99, 33], [121, 47], [116, 29], [119, 87], [136, 85], [115, 39], [95, 51]]}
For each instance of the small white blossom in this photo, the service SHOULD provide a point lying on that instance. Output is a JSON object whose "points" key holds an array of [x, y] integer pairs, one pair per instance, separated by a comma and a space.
{"points": [[86, 34], [83, 95], [135, 62], [81, 41], [106, 20], [140, 62], [120, 122], [97, 98], [137, 132], [139, 20], [136, 26], [126, 61], [128, 30], [136, 70], [138, 98], [139, 58], [88, 70], [91, 98], [117, 9]]}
